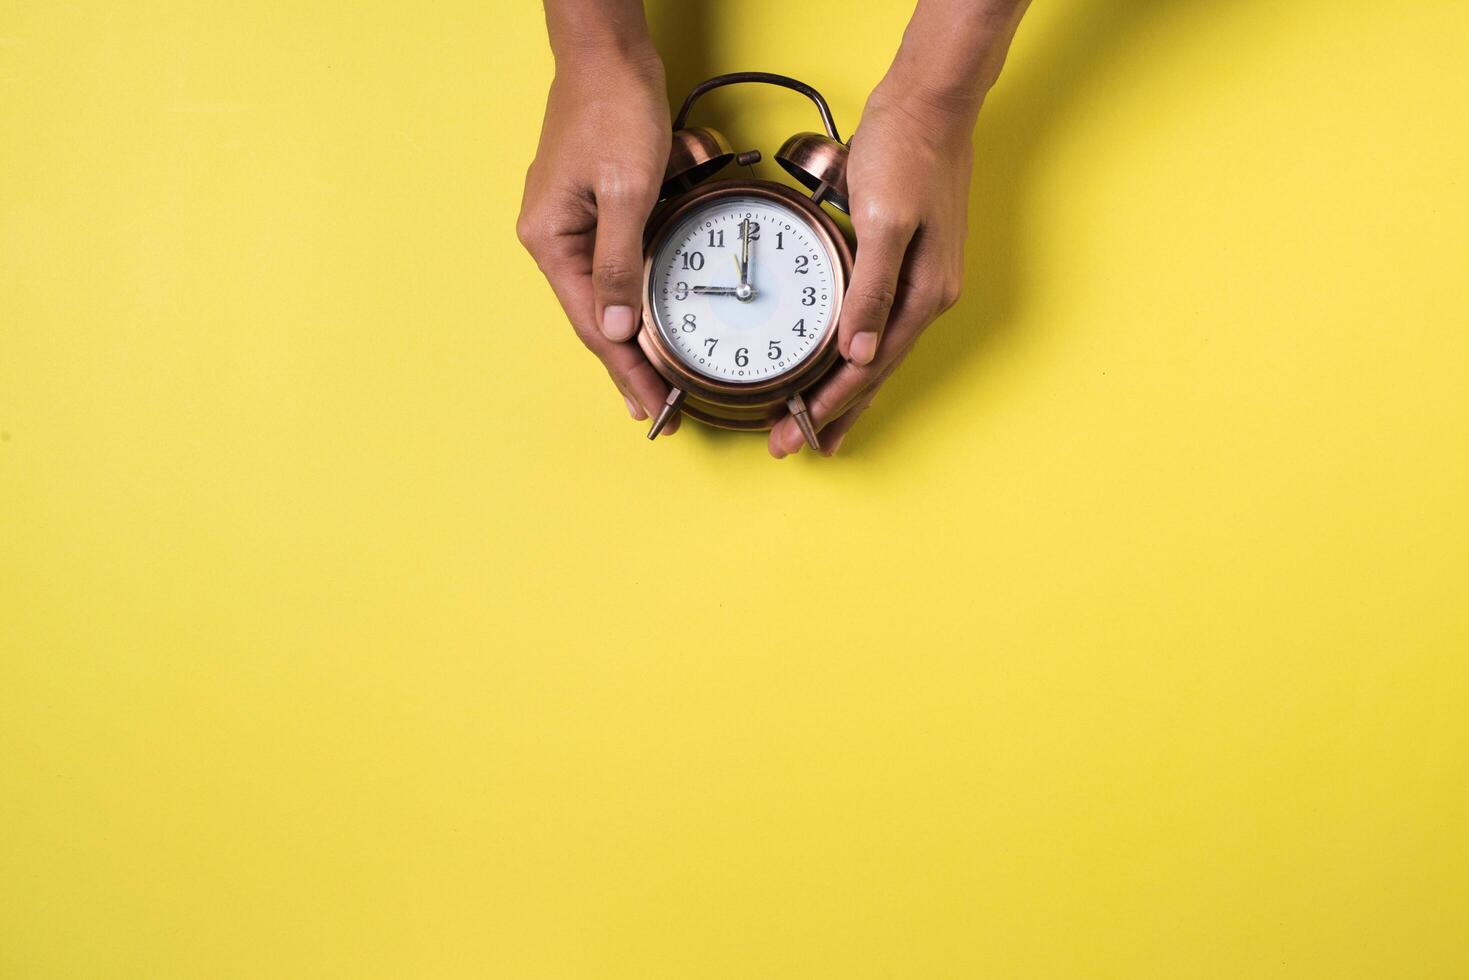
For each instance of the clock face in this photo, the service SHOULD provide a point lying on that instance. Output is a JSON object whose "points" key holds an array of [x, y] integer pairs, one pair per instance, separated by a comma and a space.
{"points": [[750, 328]]}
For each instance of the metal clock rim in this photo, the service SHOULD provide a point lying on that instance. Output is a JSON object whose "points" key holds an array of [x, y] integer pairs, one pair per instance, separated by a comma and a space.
{"points": [[831, 237]]}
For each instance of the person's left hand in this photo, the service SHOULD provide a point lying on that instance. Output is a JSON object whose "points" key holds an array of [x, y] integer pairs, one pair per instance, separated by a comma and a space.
{"points": [[908, 180]]}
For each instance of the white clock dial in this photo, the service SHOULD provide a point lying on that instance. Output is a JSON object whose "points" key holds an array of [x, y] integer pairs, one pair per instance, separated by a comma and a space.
{"points": [[743, 329]]}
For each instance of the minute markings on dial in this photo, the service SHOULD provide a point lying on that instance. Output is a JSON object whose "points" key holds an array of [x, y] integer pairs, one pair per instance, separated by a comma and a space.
{"points": [[761, 332]]}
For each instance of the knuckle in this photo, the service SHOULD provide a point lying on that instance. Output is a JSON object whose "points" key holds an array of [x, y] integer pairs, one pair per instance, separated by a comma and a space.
{"points": [[619, 379], [614, 275], [877, 297], [882, 217], [529, 230], [619, 186], [642, 373], [591, 339], [537, 228], [824, 406], [930, 302], [828, 403], [930, 296], [949, 293], [873, 212]]}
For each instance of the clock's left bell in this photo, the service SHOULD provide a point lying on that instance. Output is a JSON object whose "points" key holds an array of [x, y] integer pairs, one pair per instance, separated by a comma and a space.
{"points": [[695, 155]]}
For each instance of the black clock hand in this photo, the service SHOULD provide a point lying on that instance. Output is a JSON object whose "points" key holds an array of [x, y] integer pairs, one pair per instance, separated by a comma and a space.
{"points": [[745, 253], [715, 290]]}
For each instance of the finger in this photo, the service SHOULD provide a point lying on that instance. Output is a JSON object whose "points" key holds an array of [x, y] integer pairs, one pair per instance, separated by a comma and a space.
{"points": [[632, 374], [824, 404], [882, 242], [836, 431], [623, 206], [850, 394], [840, 390], [634, 405]]}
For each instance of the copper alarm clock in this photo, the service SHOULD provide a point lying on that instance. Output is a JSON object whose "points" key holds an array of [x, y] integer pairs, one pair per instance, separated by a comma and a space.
{"points": [[743, 279]]}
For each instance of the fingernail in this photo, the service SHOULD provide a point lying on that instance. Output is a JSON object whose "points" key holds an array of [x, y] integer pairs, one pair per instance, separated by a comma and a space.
{"points": [[632, 409], [864, 345], [835, 444], [617, 322]]}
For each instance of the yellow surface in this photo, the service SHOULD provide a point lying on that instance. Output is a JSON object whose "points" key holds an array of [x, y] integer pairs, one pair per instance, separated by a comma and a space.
{"points": [[350, 629]]}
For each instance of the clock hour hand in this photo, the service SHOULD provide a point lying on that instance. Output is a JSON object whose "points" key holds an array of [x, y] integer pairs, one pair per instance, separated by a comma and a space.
{"points": [[715, 290]]}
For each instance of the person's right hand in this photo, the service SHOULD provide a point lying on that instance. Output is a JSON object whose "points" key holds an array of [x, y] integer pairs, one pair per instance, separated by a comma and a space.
{"points": [[604, 146]]}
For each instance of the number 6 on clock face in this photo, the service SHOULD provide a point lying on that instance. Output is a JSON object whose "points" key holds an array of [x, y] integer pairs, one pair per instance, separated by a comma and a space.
{"points": [[743, 289]]}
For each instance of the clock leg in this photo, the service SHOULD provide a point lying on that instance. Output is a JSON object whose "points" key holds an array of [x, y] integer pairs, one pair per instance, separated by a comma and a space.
{"points": [[797, 405], [666, 413]]}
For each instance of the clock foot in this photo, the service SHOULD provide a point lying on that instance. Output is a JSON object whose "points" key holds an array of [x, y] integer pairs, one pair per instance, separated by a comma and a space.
{"points": [[667, 412], [797, 405]]}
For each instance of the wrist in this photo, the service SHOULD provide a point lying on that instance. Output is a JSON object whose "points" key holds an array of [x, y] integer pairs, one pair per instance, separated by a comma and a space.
{"points": [[942, 107], [616, 37], [952, 52], [610, 68], [939, 116]]}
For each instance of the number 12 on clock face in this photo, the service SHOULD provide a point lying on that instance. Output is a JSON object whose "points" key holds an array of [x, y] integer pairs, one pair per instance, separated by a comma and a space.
{"points": [[742, 289]]}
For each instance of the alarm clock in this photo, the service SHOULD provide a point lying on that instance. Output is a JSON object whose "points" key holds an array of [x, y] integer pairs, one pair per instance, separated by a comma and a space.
{"points": [[743, 278]]}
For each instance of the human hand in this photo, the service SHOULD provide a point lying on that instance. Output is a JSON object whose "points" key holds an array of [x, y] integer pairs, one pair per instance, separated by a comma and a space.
{"points": [[908, 179], [604, 145]]}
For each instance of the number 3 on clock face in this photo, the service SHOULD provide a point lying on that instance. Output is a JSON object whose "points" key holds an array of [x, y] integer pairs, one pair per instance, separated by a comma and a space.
{"points": [[742, 290]]}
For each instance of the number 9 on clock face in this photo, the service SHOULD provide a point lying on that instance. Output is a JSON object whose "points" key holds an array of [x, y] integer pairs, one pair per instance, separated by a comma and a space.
{"points": [[742, 290]]}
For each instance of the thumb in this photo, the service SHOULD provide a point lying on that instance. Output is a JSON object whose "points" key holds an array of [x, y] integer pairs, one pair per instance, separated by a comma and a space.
{"points": [[881, 245], [617, 261]]}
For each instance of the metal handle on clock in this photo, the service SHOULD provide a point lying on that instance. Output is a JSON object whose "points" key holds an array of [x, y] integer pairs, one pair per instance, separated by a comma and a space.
{"points": [[769, 78]]}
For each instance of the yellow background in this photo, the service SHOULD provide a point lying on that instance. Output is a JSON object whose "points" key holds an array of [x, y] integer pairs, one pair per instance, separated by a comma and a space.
{"points": [[350, 629]]}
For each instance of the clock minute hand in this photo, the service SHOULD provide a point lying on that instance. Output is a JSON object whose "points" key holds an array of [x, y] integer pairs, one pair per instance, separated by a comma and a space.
{"points": [[745, 252]]}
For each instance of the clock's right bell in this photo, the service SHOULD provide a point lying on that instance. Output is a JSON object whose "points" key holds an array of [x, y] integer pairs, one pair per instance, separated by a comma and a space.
{"points": [[820, 163]]}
